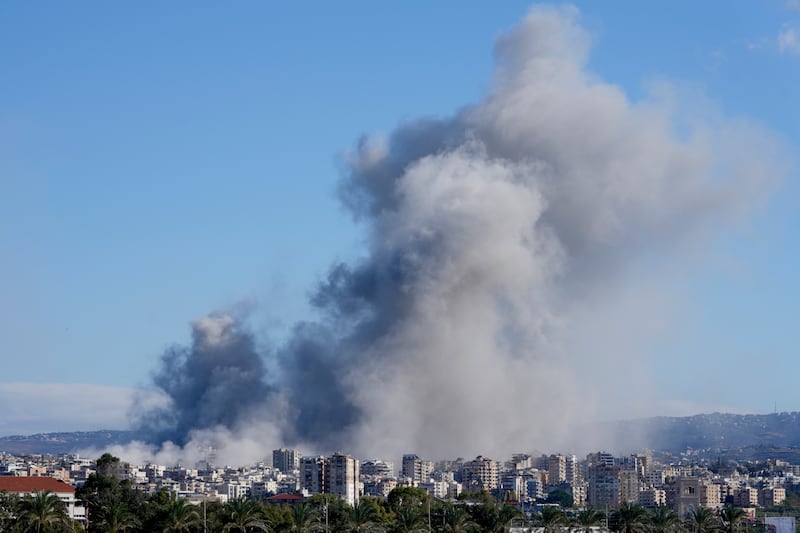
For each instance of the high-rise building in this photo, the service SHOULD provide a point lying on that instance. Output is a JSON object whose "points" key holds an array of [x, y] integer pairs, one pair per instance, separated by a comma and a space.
{"points": [[313, 473], [556, 469], [628, 486], [651, 497], [603, 484], [337, 474], [343, 477], [480, 474], [710, 495], [574, 476], [416, 469], [286, 460]]}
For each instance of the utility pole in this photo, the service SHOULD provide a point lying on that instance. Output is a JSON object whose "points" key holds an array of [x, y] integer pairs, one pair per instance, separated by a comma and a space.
{"points": [[429, 513], [327, 530]]}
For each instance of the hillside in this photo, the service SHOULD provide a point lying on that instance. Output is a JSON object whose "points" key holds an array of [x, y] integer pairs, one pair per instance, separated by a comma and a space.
{"points": [[715, 431], [66, 442]]}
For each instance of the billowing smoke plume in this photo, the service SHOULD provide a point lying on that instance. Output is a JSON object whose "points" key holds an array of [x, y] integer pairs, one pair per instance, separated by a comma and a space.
{"points": [[498, 240], [215, 382]]}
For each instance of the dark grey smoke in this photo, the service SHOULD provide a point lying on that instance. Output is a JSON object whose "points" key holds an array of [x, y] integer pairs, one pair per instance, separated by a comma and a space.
{"points": [[505, 249], [212, 383]]}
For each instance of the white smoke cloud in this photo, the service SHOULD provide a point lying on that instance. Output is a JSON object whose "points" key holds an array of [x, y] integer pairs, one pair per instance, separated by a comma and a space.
{"points": [[519, 267]]}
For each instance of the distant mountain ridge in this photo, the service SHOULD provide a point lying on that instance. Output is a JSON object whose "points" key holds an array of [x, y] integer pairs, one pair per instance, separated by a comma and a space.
{"points": [[63, 442], [722, 431], [717, 430]]}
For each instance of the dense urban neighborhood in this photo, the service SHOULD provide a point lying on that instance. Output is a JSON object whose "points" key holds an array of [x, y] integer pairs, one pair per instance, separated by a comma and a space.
{"points": [[648, 491]]}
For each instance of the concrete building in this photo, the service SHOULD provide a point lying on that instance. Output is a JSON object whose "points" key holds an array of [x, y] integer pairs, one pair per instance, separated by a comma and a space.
{"points": [[602, 477], [574, 474], [687, 495], [628, 486], [651, 497], [286, 460], [313, 473], [580, 493], [480, 474], [511, 482], [377, 468], [746, 497], [379, 487], [772, 496], [710, 495], [24, 485], [416, 469], [536, 489], [343, 478], [556, 469]]}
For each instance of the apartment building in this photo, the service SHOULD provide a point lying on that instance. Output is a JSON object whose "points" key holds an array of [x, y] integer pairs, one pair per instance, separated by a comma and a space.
{"points": [[480, 474]]}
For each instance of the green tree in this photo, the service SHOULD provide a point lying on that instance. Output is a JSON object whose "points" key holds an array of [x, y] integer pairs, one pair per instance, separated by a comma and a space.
{"points": [[406, 497], [494, 516], [9, 509], [115, 517], [551, 519], [561, 497], [589, 518], [731, 518], [244, 516], [630, 518], [43, 511], [664, 520], [457, 519], [278, 516], [701, 520], [362, 517], [409, 519], [181, 516], [305, 519], [105, 488], [109, 466]]}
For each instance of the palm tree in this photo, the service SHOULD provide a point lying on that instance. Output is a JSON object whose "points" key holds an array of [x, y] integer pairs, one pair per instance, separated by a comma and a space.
{"points": [[409, 520], [631, 518], [181, 515], [457, 520], [361, 517], [243, 515], [494, 516], [664, 520], [731, 518], [588, 519], [115, 517], [304, 518], [551, 519], [702, 520], [43, 510]]}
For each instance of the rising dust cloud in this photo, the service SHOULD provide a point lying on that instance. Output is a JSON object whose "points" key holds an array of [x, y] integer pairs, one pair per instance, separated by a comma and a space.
{"points": [[498, 239]]}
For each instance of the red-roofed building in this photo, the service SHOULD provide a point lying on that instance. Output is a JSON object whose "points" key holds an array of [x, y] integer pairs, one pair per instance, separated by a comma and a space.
{"points": [[23, 485], [289, 499]]}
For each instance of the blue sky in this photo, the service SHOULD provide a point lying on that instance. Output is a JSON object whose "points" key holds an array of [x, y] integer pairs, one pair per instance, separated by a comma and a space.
{"points": [[161, 161]]}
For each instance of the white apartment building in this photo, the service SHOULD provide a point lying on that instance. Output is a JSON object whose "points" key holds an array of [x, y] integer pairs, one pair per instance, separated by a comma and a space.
{"points": [[23, 485]]}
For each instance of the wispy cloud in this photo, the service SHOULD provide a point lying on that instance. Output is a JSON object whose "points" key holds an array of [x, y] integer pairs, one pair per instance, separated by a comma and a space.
{"points": [[789, 38]]}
